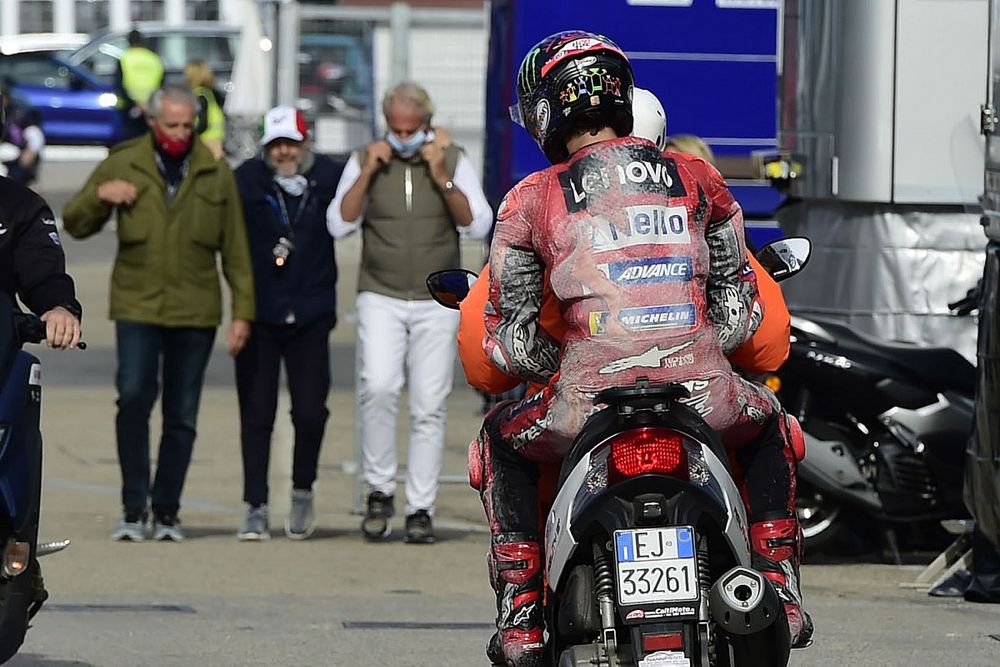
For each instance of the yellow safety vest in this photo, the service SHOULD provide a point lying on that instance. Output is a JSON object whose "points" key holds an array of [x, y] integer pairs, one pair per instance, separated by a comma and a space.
{"points": [[142, 73], [216, 120]]}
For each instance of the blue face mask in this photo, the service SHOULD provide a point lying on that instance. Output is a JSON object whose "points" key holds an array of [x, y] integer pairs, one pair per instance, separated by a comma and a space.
{"points": [[407, 148]]}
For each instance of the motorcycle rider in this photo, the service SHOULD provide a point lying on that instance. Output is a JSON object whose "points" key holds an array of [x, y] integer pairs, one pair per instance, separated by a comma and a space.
{"points": [[646, 256], [764, 352], [32, 262]]}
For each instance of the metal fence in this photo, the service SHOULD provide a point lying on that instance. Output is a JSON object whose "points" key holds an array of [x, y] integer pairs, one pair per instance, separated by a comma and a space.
{"points": [[337, 61]]}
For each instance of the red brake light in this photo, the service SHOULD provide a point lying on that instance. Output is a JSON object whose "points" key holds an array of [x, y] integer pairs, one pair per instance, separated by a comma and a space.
{"points": [[647, 450], [668, 641]]}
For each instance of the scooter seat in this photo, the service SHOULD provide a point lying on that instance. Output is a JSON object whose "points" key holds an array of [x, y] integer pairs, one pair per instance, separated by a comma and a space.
{"points": [[937, 368]]}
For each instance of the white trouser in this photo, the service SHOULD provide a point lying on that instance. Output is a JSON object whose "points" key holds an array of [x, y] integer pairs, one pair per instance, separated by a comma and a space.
{"points": [[418, 338]]}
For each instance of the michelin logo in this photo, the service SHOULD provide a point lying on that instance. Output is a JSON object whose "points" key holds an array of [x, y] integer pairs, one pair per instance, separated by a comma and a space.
{"points": [[647, 318], [648, 271]]}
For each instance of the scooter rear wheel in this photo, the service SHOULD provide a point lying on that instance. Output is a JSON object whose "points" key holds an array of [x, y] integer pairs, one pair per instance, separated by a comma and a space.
{"points": [[821, 519]]}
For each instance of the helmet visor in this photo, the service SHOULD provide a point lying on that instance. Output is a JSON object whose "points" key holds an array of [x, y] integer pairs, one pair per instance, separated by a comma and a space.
{"points": [[515, 114]]}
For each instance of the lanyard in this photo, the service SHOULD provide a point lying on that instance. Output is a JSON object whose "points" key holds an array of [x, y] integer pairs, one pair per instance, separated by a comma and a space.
{"points": [[283, 210]]}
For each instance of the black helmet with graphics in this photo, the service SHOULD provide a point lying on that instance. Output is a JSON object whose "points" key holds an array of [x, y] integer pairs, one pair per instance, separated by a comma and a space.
{"points": [[571, 81]]}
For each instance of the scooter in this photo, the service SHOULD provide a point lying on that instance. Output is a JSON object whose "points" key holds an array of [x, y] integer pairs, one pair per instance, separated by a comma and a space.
{"points": [[22, 591], [647, 551], [886, 427]]}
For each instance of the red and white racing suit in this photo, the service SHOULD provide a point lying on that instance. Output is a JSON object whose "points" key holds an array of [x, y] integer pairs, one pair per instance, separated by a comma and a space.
{"points": [[646, 256]]}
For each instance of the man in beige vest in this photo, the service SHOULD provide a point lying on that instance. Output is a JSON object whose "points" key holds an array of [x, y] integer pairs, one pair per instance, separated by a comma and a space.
{"points": [[412, 197]]}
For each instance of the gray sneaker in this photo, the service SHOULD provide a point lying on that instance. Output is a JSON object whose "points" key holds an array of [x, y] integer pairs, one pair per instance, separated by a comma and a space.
{"points": [[256, 525], [376, 524], [167, 530], [301, 521], [130, 531]]}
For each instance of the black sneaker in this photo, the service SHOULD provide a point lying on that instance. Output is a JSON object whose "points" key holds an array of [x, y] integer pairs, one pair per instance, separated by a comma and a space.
{"points": [[419, 528], [376, 524]]}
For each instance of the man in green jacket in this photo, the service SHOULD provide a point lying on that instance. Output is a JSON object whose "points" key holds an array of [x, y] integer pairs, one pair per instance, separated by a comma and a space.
{"points": [[177, 208]]}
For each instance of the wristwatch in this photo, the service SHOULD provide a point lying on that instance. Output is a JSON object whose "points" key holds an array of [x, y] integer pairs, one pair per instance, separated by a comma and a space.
{"points": [[449, 186]]}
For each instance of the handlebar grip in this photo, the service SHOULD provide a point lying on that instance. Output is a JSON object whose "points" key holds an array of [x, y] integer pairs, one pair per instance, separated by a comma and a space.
{"points": [[30, 329]]}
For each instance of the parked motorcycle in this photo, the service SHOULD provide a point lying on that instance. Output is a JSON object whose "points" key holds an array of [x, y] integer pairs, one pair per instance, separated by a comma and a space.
{"points": [[886, 427], [647, 551], [22, 592]]}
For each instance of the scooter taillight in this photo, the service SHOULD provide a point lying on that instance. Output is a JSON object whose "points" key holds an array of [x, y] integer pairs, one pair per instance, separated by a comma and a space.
{"points": [[644, 451]]}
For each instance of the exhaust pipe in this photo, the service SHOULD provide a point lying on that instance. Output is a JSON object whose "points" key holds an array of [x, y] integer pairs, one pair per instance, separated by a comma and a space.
{"points": [[743, 602]]}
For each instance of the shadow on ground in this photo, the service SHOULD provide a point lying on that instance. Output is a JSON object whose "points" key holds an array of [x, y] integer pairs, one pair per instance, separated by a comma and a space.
{"points": [[35, 660]]}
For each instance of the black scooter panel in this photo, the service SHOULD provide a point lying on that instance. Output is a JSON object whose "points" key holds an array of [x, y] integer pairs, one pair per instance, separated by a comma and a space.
{"points": [[936, 368]]}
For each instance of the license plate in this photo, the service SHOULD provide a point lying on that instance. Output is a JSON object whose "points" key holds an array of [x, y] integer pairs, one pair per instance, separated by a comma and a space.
{"points": [[656, 565]]}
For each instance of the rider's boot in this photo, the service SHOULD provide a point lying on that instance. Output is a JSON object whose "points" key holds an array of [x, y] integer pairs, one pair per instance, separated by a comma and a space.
{"points": [[777, 549], [516, 576]]}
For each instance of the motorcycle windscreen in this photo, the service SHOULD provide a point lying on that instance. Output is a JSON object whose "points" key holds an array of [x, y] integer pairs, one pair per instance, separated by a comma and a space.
{"points": [[982, 473]]}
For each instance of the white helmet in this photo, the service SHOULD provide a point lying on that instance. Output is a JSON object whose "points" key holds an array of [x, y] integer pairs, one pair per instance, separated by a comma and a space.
{"points": [[649, 119]]}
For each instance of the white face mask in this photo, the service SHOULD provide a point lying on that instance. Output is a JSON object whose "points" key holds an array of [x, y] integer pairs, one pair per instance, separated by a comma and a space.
{"points": [[293, 185], [407, 148]]}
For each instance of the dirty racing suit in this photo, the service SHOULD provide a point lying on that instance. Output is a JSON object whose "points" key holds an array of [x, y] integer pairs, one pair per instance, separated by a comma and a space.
{"points": [[646, 256]]}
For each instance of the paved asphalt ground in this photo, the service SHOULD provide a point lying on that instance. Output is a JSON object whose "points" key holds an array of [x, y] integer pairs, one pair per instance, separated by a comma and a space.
{"points": [[334, 599]]}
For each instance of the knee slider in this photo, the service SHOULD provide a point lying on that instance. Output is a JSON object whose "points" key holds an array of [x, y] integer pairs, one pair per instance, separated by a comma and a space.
{"points": [[476, 464], [792, 431]]}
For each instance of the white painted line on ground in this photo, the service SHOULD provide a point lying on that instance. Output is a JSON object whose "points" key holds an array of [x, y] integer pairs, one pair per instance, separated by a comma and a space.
{"points": [[74, 153]]}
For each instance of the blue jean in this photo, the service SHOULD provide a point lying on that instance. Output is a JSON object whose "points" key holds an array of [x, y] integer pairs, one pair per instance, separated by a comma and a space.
{"points": [[185, 353]]}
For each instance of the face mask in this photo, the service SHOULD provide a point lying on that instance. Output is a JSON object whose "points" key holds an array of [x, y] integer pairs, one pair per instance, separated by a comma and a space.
{"points": [[293, 185], [406, 148], [172, 148]]}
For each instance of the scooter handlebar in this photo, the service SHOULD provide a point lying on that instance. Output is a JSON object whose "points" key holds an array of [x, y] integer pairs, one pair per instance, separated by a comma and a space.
{"points": [[31, 329]]}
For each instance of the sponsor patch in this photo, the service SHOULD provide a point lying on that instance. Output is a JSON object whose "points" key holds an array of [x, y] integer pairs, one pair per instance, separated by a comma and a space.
{"points": [[646, 318], [648, 271], [644, 225], [542, 115], [654, 357], [625, 170], [699, 398], [575, 48]]}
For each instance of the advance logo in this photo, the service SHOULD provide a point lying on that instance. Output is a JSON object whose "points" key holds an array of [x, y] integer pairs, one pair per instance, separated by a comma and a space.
{"points": [[648, 271], [646, 318]]}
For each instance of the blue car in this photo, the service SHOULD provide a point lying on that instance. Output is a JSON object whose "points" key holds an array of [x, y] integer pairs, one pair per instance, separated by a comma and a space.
{"points": [[76, 107]]}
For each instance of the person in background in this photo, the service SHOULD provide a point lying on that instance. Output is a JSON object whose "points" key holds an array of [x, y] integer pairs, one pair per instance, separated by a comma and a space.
{"points": [[211, 124], [768, 348], [690, 145], [139, 73], [32, 261], [178, 211], [412, 200], [22, 130], [285, 193]]}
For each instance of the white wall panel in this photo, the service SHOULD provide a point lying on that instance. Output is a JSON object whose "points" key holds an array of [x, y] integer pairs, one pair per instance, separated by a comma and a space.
{"points": [[940, 83]]}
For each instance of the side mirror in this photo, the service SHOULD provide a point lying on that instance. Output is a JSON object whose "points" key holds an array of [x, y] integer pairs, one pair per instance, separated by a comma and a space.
{"points": [[785, 257], [451, 286]]}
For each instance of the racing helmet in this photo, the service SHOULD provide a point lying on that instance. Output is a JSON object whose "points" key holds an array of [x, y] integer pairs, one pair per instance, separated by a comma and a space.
{"points": [[569, 80], [650, 121]]}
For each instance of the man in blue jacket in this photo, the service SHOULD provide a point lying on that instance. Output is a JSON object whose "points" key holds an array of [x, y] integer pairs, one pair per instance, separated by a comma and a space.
{"points": [[285, 194]]}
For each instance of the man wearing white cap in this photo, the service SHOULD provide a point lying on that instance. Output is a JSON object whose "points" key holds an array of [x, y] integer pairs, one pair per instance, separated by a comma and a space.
{"points": [[285, 194]]}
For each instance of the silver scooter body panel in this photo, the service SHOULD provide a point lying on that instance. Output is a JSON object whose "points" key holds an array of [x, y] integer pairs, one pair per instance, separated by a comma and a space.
{"points": [[591, 473]]}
